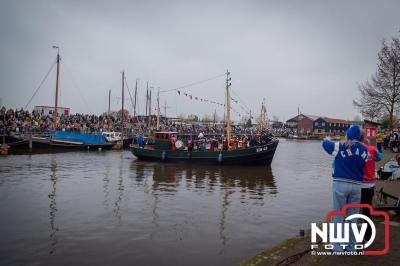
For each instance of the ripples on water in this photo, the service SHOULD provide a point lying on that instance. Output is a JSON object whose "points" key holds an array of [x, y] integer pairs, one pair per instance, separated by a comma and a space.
{"points": [[107, 208]]}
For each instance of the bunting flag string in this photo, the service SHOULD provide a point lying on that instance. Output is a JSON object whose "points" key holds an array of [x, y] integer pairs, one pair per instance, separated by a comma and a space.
{"points": [[183, 91], [196, 98]]}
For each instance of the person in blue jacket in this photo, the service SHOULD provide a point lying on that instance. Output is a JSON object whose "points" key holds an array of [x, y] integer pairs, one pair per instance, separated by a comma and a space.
{"points": [[140, 141], [350, 158]]}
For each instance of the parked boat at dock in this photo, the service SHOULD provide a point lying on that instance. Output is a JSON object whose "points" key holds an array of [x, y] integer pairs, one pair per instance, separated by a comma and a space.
{"points": [[68, 140]]}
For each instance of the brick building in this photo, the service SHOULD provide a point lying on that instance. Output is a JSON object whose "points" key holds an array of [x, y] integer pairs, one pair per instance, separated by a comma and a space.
{"points": [[303, 123]]}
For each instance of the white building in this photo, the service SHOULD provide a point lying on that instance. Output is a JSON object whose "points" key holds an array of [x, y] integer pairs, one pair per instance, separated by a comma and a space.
{"points": [[48, 110]]}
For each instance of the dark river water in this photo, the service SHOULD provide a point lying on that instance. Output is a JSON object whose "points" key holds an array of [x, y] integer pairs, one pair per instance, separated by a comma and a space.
{"points": [[107, 208]]}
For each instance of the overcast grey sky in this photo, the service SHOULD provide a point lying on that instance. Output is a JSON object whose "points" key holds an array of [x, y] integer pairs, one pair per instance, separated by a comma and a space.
{"points": [[307, 53]]}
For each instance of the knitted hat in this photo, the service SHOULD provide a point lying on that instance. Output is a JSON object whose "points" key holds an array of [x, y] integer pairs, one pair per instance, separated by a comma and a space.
{"points": [[353, 132]]}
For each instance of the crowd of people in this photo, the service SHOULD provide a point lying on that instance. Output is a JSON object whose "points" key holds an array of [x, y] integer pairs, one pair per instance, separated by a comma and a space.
{"points": [[389, 139], [22, 121], [213, 143]]}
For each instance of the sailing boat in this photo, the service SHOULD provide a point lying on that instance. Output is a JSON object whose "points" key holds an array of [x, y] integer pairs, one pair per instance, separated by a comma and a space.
{"points": [[68, 140], [166, 149]]}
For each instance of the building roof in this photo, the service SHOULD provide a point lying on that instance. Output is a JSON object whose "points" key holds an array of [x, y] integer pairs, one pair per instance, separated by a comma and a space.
{"points": [[335, 120], [311, 117]]}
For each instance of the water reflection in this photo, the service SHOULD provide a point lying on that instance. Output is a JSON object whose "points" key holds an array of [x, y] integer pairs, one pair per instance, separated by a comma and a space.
{"points": [[167, 178], [120, 190], [224, 208], [155, 215], [116, 209], [53, 205]]}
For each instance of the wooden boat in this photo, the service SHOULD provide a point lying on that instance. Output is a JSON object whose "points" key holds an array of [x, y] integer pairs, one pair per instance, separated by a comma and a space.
{"points": [[259, 154], [15, 141], [262, 153], [60, 140]]}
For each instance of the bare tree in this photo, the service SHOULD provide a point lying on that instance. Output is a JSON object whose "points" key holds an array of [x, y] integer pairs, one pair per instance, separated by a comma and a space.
{"points": [[381, 95]]}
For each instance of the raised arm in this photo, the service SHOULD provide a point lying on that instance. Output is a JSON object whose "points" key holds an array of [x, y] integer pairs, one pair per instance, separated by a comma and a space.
{"points": [[330, 147]]}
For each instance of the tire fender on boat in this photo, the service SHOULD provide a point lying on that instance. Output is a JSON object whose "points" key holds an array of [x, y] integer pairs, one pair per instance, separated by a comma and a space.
{"points": [[189, 156], [220, 158], [163, 155]]}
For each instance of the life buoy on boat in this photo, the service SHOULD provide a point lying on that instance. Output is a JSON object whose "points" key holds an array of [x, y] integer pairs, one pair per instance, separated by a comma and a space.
{"points": [[220, 158], [163, 155], [179, 144]]}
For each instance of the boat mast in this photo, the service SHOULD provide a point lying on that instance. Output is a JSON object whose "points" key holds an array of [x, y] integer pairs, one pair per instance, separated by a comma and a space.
{"points": [[228, 109], [122, 111], [109, 101], [55, 113], [147, 97], [150, 107], [134, 106], [158, 110], [298, 116], [264, 122]]}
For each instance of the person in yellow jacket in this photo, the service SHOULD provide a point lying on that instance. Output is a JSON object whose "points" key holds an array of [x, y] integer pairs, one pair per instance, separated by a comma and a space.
{"points": [[379, 141]]}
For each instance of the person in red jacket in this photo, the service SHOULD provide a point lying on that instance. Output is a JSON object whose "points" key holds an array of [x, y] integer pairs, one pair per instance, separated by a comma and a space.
{"points": [[368, 184], [173, 142]]}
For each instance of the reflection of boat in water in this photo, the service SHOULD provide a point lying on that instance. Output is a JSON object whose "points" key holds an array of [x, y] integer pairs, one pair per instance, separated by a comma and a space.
{"points": [[168, 176], [219, 186], [166, 149], [299, 137]]}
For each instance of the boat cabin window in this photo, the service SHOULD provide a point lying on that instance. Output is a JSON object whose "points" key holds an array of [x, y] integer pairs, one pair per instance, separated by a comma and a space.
{"points": [[162, 136]]}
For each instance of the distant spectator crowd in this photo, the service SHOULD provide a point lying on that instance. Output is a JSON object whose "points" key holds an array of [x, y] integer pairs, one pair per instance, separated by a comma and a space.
{"points": [[23, 121]]}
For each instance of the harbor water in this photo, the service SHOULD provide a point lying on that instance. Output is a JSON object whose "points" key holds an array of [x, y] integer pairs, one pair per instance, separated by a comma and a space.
{"points": [[107, 208]]}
